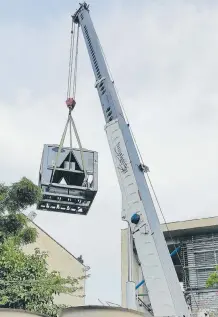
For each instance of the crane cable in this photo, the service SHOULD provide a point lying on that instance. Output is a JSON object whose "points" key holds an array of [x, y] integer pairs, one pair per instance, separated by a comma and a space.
{"points": [[70, 67], [71, 91], [148, 178], [164, 218]]}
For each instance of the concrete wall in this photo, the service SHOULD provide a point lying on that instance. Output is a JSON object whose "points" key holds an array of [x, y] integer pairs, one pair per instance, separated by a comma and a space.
{"points": [[17, 313], [99, 311], [62, 261]]}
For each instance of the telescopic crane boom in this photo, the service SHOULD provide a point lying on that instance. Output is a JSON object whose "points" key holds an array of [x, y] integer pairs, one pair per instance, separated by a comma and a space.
{"points": [[138, 210]]}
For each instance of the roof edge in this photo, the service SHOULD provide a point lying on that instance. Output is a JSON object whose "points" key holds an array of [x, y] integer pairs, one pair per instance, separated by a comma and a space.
{"points": [[92, 307], [187, 220], [55, 241], [180, 221]]}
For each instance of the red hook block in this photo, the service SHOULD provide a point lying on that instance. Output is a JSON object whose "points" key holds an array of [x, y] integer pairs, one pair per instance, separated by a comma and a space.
{"points": [[70, 102]]}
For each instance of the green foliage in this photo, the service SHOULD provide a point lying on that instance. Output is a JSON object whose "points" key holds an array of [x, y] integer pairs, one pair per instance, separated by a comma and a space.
{"points": [[18, 196], [28, 235], [13, 200], [26, 283], [213, 278], [16, 225], [3, 194]]}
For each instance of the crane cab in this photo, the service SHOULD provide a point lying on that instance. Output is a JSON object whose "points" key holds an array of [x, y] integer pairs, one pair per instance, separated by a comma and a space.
{"points": [[68, 188]]}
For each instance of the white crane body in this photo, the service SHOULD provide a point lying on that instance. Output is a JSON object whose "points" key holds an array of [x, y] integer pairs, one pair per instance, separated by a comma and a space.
{"points": [[138, 210]]}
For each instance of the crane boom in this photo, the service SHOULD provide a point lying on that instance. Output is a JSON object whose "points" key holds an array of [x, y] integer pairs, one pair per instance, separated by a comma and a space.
{"points": [[138, 210]]}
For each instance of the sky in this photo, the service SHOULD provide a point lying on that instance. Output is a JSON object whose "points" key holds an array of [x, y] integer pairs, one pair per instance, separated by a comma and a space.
{"points": [[163, 57]]}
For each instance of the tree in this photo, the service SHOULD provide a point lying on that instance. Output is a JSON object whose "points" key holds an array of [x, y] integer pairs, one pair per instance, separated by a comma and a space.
{"points": [[25, 281], [18, 196], [13, 200], [213, 278]]}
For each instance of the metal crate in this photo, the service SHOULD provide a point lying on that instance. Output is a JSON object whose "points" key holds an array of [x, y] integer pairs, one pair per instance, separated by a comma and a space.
{"points": [[63, 188]]}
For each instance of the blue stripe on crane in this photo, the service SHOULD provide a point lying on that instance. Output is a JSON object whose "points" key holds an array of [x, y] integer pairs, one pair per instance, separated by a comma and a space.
{"points": [[171, 254]]}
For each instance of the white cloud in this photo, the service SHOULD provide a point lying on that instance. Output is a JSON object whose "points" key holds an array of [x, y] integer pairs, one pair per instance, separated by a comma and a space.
{"points": [[164, 61]]}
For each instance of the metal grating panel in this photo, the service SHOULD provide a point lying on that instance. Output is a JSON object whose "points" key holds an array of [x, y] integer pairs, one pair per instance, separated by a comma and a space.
{"points": [[199, 256]]}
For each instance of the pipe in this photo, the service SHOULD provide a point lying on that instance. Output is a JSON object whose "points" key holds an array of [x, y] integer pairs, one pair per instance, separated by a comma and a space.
{"points": [[130, 248], [175, 251], [139, 284], [130, 285]]}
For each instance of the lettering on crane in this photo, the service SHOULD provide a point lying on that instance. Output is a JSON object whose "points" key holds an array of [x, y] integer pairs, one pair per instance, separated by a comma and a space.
{"points": [[123, 166]]}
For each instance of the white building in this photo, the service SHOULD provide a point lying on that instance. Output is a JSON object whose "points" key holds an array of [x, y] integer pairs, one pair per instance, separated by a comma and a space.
{"points": [[198, 239]]}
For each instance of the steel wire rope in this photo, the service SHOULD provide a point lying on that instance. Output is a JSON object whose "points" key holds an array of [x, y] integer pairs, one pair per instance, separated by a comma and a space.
{"points": [[72, 72], [76, 64], [171, 238], [164, 218], [60, 148], [69, 82], [70, 65], [80, 148], [74, 96], [140, 156]]}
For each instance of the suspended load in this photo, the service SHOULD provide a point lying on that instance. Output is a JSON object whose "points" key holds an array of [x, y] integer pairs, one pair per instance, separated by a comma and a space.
{"points": [[68, 176], [68, 188]]}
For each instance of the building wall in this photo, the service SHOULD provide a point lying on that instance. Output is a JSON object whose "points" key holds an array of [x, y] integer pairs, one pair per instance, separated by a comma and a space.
{"points": [[198, 239], [62, 261], [200, 258]]}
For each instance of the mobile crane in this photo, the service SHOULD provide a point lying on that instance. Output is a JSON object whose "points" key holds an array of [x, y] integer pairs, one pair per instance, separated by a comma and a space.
{"points": [[78, 168], [138, 210]]}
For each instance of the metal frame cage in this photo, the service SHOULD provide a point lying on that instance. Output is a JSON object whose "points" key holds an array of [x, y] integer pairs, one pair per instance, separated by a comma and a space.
{"points": [[66, 187]]}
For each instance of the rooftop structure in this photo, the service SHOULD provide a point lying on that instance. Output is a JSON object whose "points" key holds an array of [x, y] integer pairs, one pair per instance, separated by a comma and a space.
{"points": [[190, 227]]}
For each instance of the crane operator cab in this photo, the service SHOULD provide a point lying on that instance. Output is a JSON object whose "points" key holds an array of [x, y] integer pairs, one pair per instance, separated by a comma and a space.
{"points": [[69, 180]]}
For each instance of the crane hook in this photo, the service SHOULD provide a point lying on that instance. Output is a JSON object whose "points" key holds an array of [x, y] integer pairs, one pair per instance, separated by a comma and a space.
{"points": [[70, 102]]}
